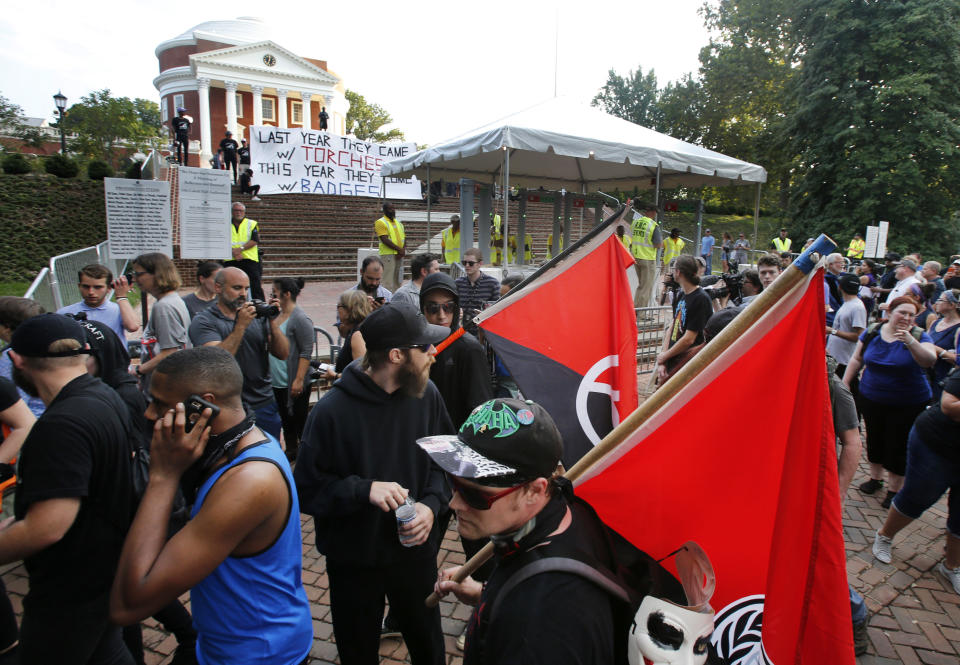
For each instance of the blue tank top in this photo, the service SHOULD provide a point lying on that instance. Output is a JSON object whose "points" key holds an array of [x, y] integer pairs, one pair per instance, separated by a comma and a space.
{"points": [[253, 610]]}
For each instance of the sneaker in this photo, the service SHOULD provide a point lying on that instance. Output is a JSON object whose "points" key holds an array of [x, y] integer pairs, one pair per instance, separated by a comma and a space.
{"points": [[860, 640], [953, 576], [885, 504], [881, 549], [389, 627], [254, 198], [462, 640], [871, 486]]}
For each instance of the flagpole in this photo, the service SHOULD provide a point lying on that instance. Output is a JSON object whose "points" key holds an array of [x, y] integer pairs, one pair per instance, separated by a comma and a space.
{"points": [[793, 275]]}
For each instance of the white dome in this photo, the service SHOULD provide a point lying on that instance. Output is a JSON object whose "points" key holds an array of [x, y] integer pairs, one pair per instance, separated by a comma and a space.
{"points": [[242, 30]]}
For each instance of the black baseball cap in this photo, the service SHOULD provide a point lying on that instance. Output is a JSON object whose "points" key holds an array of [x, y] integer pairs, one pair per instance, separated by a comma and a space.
{"points": [[504, 442], [33, 337], [849, 283], [398, 325], [891, 256]]}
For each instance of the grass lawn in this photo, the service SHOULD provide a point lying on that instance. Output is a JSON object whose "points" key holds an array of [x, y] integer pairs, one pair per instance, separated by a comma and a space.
{"points": [[13, 288]]}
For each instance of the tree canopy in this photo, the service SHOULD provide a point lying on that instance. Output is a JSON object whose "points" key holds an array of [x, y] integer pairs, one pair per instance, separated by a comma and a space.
{"points": [[364, 120], [102, 123]]}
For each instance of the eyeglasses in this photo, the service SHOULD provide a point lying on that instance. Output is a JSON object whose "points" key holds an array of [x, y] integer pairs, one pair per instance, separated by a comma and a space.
{"points": [[137, 273], [423, 347], [470, 263], [476, 498], [435, 307]]}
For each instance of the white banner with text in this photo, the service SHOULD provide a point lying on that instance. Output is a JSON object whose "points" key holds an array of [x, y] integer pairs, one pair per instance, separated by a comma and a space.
{"points": [[298, 161]]}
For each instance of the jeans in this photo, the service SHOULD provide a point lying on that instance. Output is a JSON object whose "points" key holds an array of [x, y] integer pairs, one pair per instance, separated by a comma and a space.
{"points": [[928, 476], [858, 608], [268, 419]]}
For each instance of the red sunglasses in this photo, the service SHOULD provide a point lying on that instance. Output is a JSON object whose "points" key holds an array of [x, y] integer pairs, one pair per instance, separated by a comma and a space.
{"points": [[477, 499]]}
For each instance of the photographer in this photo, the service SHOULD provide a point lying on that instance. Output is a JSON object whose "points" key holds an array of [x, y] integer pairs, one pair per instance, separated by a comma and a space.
{"points": [[248, 330], [690, 314]]}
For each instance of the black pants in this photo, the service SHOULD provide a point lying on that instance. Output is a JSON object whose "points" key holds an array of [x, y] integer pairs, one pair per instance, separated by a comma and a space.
{"points": [[229, 162], [293, 416], [175, 619], [183, 148], [252, 190], [888, 427], [254, 272], [356, 600], [71, 635]]}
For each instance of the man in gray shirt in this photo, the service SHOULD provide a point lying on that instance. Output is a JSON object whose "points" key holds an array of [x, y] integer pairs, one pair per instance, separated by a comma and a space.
{"points": [[233, 324], [421, 265], [848, 323]]}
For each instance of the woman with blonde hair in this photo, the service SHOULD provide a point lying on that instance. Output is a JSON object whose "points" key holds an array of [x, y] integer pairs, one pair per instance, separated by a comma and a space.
{"points": [[353, 306], [166, 329]]}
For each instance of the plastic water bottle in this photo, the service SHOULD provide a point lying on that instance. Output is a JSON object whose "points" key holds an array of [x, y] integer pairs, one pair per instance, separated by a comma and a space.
{"points": [[406, 512]]}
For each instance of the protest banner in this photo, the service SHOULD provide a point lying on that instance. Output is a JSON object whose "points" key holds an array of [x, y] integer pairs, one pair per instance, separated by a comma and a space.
{"points": [[299, 161]]}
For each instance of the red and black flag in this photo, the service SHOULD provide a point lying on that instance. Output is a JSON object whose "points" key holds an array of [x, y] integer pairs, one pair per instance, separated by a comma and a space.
{"points": [[569, 339]]}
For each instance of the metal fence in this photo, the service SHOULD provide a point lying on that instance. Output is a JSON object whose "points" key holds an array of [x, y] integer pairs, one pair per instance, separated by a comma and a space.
{"points": [[56, 286]]}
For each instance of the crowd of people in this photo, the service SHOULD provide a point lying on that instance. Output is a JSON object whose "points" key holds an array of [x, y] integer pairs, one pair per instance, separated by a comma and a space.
{"points": [[189, 469]]}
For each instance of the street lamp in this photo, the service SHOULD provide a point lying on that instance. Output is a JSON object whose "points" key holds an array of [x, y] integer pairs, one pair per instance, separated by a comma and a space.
{"points": [[61, 100]]}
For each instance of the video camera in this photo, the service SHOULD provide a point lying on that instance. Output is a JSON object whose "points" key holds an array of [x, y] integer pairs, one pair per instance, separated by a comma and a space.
{"points": [[727, 284]]}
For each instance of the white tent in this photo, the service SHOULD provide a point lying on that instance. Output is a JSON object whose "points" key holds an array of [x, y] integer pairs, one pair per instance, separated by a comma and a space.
{"points": [[562, 144]]}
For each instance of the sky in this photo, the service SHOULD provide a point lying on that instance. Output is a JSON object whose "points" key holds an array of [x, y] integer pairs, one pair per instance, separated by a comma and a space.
{"points": [[438, 68]]}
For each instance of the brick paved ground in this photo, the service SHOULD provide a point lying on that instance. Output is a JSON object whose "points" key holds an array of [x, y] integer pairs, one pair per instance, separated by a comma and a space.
{"points": [[914, 613]]}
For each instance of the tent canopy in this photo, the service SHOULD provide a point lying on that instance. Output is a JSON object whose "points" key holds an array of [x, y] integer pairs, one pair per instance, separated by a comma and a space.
{"points": [[563, 144]]}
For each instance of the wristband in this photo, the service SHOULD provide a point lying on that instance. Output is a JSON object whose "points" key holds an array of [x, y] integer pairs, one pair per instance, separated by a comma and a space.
{"points": [[121, 298]]}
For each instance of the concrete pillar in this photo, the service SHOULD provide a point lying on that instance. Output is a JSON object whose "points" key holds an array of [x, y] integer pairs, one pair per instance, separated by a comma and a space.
{"points": [[231, 88], [466, 215], [257, 104], [307, 114], [567, 218], [484, 220], [203, 93], [556, 228], [282, 108], [333, 124], [522, 227]]}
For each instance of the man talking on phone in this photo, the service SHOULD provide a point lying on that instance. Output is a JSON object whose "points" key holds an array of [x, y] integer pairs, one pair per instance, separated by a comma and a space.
{"points": [[241, 549]]}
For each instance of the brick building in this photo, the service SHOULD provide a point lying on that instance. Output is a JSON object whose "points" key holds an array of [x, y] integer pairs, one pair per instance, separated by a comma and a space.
{"points": [[230, 75]]}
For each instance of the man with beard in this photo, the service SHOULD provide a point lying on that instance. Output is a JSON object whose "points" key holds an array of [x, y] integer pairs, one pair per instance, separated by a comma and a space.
{"points": [[240, 553], [74, 499], [358, 463], [371, 276], [233, 325]]}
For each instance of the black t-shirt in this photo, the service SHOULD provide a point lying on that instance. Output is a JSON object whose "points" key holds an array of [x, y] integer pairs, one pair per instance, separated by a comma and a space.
{"points": [[229, 147], [80, 447], [8, 393], [180, 125], [244, 154], [691, 312], [936, 429]]}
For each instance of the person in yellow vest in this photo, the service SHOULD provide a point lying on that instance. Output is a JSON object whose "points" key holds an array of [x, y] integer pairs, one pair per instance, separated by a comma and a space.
{"points": [[623, 237], [527, 248], [496, 241], [781, 243], [392, 246], [646, 241], [857, 245], [244, 240], [672, 246], [450, 241], [550, 245]]}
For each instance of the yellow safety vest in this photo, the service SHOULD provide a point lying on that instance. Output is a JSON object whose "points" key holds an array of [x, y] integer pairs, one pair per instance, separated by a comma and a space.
{"points": [[550, 246], [672, 249], [396, 233], [528, 250], [782, 244], [240, 235], [642, 246], [855, 250], [451, 245], [626, 240], [496, 253]]}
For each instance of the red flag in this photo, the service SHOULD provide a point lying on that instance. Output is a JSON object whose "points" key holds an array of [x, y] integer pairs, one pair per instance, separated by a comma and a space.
{"points": [[570, 341], [743, 461]]}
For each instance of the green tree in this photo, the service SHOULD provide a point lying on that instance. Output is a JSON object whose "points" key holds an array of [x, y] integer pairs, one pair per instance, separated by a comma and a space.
{"points": [[876, 122], [14, 122], [364, 120], [632, 97], [101, 123]]}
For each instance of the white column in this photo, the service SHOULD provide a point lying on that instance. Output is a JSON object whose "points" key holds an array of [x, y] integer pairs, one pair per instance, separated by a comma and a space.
{"points": [[257, 104], [331, 121], [203, 92], [231, 87], [281, 108], [307, 114]]}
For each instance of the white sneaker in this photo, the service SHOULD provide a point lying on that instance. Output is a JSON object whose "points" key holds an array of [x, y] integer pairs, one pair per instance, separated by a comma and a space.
{"points": [[881, 549], [255, 198], [953, 576]]}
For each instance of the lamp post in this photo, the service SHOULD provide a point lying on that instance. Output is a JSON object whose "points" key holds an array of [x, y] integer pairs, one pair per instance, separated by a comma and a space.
{"points": [[61, 100]]}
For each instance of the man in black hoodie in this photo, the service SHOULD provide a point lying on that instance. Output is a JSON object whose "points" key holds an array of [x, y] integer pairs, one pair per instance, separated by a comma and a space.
{"points": [[358, 463]]}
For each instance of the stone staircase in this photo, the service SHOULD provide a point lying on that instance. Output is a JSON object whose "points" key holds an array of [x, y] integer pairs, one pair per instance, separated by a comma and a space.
{"points": [[316, 237]]}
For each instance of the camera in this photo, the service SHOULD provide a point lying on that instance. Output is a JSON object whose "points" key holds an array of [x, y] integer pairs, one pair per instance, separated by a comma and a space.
{"points": [[265, 310], [317, 371]]}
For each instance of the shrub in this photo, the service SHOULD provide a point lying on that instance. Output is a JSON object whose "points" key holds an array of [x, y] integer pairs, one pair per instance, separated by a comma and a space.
{"points": [[133, 171], [61, 166], [98, 170], [16, 163]]}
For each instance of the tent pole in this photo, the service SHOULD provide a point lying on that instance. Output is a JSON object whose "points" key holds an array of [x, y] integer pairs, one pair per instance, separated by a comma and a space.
{"points": [[756, 217], [656, 194], [505, 196], [429, 196]]}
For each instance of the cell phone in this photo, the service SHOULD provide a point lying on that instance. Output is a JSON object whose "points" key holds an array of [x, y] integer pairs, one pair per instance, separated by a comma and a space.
{"points": [[194, 406], [379, 299]]}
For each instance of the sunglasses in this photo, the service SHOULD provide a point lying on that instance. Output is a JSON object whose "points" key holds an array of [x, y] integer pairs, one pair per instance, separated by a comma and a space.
{"points": [[435, 307], [476, 498], [470, 263], [137, 273], [423, 347]]}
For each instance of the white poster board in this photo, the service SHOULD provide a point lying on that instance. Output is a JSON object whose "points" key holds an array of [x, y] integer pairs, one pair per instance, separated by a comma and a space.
{"points": [[138, 217], [873, 234], [204, 213], [299, 161], [882, 239]]}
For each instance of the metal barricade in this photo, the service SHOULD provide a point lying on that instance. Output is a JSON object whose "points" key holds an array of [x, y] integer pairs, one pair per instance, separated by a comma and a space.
{"points": [[64, 269], [41, 291], [652, 323]]}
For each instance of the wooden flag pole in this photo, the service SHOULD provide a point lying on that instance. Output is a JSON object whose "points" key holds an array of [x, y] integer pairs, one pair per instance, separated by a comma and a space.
{"points": [[793, 275]]}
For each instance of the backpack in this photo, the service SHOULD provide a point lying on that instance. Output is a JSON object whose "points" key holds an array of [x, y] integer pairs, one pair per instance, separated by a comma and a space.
{"points": [[874, 329]]}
